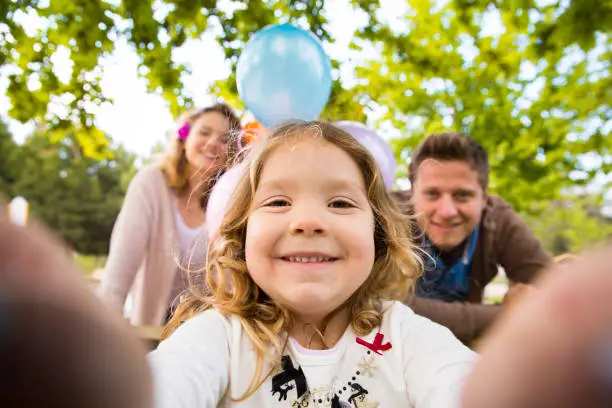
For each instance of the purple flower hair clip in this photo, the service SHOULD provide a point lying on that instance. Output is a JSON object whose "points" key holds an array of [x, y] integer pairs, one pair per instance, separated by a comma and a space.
{"points": [[184, 131]]}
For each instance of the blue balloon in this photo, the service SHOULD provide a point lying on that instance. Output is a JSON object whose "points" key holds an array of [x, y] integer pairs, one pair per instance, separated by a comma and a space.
{"points": [[283, 73]]}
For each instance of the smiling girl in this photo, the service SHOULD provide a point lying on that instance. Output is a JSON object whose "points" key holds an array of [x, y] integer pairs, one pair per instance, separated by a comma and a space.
{"points": [[303, 279]]}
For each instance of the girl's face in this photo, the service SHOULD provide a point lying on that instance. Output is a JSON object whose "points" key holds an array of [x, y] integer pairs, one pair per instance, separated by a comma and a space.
{"points": [[310, 235], [206, 144]]}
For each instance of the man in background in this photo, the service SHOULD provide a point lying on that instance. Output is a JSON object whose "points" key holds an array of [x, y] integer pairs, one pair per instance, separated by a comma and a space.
{"points": [[466, 235]]}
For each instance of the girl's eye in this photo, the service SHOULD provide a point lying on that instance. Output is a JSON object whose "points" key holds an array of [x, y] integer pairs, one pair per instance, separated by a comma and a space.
{"points": [[277, 203], [341, 204]]}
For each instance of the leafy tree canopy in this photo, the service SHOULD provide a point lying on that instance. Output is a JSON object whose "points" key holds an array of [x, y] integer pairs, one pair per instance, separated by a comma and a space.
{"points": [[529, 79]]}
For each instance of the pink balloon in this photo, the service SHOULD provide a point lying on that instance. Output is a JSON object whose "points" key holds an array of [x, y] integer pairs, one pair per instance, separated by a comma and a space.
{"points": [[218, 202], [376, 145]]}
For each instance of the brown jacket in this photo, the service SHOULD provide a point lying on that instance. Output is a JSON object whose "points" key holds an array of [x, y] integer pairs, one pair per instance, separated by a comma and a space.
{"points": [[504, 240]]}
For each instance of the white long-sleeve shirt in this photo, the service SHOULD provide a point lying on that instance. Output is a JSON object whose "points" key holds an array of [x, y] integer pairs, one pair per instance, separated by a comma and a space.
{"points": [[210, 360]]}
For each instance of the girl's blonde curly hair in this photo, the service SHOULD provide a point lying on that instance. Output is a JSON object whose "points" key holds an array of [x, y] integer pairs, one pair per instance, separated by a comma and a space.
{"points": [[230, 289]]}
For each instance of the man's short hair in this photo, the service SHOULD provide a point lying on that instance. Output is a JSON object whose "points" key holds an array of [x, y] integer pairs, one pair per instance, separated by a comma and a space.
{"points": [[452, 146]]}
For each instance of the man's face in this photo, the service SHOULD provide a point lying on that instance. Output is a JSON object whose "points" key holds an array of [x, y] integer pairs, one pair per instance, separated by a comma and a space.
{"points": [[448, 200]]}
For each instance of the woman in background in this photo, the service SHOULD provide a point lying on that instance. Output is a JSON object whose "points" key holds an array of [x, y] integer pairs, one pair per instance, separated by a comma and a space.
{"points": [[163, 214]]}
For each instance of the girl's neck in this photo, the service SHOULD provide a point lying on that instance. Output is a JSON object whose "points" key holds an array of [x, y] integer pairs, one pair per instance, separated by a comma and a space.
{"points": [[320, 333]]}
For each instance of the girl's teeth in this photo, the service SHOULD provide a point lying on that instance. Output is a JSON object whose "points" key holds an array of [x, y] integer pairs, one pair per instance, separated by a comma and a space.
{"points": [[301, 259]]}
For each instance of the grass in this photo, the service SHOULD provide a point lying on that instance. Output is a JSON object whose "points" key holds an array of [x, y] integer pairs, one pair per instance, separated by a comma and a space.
{"points": [[501, 279], [87, 263], [494, 300]]}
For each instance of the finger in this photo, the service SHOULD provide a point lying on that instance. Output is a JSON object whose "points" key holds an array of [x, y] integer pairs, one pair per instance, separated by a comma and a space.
{"points": [[543, 353], [56, 335]]}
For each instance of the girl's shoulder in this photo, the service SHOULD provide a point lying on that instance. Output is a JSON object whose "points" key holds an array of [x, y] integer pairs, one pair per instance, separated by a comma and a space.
{"points": [[395, 311], [402, 321], [199, 330], [427, 345]]}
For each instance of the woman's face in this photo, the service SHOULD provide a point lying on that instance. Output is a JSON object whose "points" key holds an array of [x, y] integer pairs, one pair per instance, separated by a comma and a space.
{"points": [[206, 144]]}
